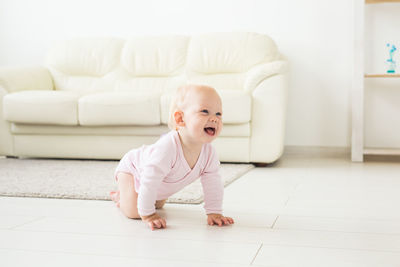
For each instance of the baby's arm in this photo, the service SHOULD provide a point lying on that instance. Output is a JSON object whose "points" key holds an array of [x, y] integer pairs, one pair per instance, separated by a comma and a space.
{"points": [[149, 186], [157, 163], [213, 190], [213, 194]]}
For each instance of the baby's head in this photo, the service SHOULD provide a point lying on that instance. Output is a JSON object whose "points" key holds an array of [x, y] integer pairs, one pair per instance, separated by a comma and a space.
{"points": [[196, 111]]}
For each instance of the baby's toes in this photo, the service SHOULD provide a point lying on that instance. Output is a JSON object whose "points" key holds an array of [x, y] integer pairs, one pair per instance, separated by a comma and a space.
{"points": [[114, 195]]}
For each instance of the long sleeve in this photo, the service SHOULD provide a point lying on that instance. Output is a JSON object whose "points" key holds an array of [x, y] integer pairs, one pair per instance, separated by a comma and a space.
{"points": [[211, 181], [157, 163]]}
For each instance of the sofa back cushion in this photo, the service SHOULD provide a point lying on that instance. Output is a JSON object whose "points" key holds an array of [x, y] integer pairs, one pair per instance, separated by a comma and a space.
{"points": [[86, 57], [158, 63], [85, 65], [229, 52], [155, 64], [155, 56], [88, 65], [221, 60]]}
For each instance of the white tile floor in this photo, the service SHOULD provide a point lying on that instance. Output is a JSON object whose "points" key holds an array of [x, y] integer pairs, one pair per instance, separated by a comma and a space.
{"points": [[305, 210]]}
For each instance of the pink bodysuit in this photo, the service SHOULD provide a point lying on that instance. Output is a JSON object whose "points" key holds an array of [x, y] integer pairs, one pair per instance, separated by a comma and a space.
{"points": [[160, 170]]}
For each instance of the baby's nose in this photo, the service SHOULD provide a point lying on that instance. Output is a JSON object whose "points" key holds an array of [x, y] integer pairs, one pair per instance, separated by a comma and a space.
{"points": [[214, 118]]}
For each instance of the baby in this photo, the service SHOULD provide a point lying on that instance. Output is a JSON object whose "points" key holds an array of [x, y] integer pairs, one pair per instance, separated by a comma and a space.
{"points": [[147, 176]]}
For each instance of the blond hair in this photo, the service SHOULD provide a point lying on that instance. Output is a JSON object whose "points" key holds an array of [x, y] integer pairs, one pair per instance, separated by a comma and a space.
{"points": [[178, 102]]}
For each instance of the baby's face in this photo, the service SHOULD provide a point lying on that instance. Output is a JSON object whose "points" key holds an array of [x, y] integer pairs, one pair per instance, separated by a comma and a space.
{"points": [[203, 114]]}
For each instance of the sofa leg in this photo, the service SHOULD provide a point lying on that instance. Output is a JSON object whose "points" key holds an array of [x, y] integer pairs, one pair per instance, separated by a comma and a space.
{"points": [[261, 164]]}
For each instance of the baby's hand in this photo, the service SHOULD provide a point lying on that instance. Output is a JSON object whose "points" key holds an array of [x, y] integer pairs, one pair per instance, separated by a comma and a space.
{"points": [[219, 219], [154, 221]]}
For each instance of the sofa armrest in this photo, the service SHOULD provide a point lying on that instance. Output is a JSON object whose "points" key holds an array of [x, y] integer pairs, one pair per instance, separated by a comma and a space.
{"points": [[25, 78], [6, 139], [259, 73], [268, 119], [19, 79]]}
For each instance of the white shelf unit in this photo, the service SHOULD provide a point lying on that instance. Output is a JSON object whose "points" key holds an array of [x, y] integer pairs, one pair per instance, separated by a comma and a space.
{"points": [[357, 95]]}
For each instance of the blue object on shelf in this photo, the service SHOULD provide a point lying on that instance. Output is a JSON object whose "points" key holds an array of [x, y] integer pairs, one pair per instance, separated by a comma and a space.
{"points": [[390, 61]]}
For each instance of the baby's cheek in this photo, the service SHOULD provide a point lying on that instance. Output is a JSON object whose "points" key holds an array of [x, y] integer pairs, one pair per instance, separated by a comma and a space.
{"points": [[219, 130]]}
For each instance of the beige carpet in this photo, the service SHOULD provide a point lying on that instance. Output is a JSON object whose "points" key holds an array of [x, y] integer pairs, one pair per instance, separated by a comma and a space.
{"points": [[84, 179]]}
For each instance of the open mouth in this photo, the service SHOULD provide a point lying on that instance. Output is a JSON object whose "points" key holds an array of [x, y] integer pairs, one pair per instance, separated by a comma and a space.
{"points": [[210, 131]]}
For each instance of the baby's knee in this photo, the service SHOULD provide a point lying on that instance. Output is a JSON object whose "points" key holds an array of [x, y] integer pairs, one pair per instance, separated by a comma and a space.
{"points": [[132, 214], [129, 210]]}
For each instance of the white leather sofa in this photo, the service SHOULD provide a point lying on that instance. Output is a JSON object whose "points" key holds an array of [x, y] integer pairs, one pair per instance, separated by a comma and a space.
{"points": [[98, 98]]}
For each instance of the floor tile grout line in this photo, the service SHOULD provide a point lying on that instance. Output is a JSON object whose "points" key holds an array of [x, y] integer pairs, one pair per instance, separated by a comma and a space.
{"points": [[190, 239], [276, 219], [261, 246], [340, 219], [28, 222], [336, 231], [287, 201], [255, 256], [130, 236], [343, 218], [115, 256], [291, 193], [229, 241], [335, 248]]}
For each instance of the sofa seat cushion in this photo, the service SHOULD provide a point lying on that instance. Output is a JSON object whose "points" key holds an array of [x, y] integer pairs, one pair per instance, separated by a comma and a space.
{"points": [[41, 107], [119, 108], [229, 130]]}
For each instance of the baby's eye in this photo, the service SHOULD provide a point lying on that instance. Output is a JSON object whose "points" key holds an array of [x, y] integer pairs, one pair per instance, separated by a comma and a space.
{"points": [[218, 114], [204, 111]]}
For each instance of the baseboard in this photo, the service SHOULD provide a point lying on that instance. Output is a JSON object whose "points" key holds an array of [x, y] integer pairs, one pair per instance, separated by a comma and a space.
{"points": [[317, 151]]}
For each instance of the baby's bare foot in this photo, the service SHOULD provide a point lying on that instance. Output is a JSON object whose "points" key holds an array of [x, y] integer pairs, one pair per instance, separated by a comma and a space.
{"points": [[114, 195], [160, 203]]}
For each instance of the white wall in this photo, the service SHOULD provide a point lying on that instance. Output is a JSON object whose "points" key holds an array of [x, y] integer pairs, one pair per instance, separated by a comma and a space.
{"points": [[315, 35]]}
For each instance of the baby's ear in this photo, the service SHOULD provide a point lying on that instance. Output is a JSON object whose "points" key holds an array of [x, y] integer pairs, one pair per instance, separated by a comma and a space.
{"points": [[178, 115]]}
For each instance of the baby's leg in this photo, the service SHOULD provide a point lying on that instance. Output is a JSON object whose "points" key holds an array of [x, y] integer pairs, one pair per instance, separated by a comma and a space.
{"points": [[127, 195]]}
